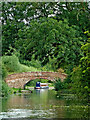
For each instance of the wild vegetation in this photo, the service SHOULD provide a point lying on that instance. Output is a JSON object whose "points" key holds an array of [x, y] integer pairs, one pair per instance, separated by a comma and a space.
{"points": [[79, 77], [5, 90], [48, 37]]}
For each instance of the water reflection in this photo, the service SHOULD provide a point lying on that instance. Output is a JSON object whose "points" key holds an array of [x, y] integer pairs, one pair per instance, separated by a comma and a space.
{"points": [[43, 96], [42, 104]]}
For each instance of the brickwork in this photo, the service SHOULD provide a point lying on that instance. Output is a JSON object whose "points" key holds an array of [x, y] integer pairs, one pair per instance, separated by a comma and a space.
{"points": [[19, 80]]}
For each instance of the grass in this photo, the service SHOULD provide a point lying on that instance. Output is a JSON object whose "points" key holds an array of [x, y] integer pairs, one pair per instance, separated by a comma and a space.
{"points": [[24, 68], [16, 90]]}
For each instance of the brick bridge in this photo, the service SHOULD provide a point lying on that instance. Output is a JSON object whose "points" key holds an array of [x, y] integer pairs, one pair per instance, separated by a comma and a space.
{"points": [[19, 80]]}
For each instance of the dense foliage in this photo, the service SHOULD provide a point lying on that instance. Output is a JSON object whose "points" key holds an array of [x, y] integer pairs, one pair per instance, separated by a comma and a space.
{"points": [[81, 75], [5, 90], [47, 37], [59, 85], [15, 15]]}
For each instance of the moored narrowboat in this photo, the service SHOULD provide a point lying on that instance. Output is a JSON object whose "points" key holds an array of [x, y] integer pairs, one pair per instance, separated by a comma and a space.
{"points": [[40, 85]]}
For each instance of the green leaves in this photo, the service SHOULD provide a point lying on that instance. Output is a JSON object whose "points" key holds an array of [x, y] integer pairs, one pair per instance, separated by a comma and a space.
{"points": [[49, 38], [58, 84], [80, 75], [31, 29]]}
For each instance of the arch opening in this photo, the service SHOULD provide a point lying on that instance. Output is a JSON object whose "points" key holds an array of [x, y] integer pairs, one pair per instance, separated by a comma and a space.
{"points": [[32, 83]]}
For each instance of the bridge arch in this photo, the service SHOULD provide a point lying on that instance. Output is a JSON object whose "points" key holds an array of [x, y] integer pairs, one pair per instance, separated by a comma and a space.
{"points": [[39, 80], [18, 80]]}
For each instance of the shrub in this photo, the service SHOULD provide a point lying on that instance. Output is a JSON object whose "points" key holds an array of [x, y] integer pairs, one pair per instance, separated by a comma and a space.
{"points": [[79, 85], [58, 84], [5, 89], [11, 63]]}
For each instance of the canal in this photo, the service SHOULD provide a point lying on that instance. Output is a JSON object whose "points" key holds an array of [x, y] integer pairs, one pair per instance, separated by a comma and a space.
{"points": [[43, 104]]}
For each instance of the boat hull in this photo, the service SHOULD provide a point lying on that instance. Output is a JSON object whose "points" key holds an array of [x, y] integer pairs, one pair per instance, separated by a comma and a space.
{"points": [[36, 87], [46, 87]]}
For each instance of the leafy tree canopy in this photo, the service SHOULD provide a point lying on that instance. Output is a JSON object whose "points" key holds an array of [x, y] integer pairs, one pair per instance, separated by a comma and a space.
{"points": [[48, 37]]}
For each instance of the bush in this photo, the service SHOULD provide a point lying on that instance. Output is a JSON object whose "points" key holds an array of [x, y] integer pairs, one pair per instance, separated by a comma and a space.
{"points": [[11, 63], [79, 85], [58, 84], [5, 89]]}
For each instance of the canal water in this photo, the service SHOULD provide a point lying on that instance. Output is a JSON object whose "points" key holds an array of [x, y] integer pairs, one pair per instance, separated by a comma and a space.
{"points": [[43, 104]]}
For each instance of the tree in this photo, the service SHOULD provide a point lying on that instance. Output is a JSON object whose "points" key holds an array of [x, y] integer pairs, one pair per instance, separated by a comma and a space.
{"points": [[77, 13], [15, 15], [48, 37]]}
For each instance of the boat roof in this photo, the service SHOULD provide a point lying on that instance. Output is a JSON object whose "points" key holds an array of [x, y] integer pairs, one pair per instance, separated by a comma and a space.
{"points": [[43, 83]]}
